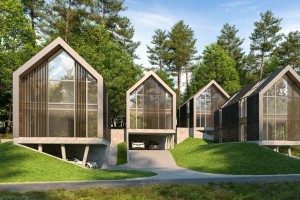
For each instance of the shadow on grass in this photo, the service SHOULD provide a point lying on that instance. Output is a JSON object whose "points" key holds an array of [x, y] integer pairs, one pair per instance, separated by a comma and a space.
{"points": [[234, 158]]}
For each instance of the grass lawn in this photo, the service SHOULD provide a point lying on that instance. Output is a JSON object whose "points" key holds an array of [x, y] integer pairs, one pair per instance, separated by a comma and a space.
{"points": [[18, 164], [284, 190], [232, 158], [122, 153]]}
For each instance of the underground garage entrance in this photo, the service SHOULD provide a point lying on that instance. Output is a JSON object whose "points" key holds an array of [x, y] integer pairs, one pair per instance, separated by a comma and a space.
{"points": [[150, 141]]}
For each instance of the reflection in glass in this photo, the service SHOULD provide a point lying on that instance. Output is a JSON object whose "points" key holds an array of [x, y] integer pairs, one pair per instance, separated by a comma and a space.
{"points": [[151, 106], [61, 123], [206, 104], [281, 110], [92, 124]]}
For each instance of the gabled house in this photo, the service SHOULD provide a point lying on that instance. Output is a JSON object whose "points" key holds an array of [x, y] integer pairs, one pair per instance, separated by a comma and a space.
{"points": [[267, 112], [60, 105], [197, 113], [151, 112]]}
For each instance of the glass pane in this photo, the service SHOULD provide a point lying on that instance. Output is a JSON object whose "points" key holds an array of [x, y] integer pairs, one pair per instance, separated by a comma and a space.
{"points": [[61, 123], [198, 120], [139, 101], [61, 91], [169, 120], [281, 105], [132, 118], [132, 101], [92, 124], [61, 67], [92, 90], [271, 105]]}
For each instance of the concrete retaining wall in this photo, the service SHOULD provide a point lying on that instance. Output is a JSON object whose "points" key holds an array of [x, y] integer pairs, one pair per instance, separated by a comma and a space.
{"points": [[118, 136], [182, 134]]}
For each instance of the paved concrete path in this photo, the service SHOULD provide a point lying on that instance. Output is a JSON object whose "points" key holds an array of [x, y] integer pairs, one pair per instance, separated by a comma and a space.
{"points": [[160, 162]]}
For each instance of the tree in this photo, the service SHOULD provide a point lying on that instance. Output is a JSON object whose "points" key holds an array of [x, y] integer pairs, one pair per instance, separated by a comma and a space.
{"points": [[16, 46], [288, 52], [181, 47], [165, 77], [33, 8], [107, 13], [111, 61], [216, 65], [158, 53], [231, 43], [265, 37]]}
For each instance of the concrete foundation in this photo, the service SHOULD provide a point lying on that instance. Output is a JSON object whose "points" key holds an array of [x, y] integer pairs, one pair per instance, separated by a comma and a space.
{"points": [[182, 134]]}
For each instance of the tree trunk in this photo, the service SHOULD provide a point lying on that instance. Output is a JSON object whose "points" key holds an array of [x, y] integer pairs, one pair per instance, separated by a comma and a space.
{"points": [[178, 85], [187, 82], [261, 67], [67, 20], [32, 19]]}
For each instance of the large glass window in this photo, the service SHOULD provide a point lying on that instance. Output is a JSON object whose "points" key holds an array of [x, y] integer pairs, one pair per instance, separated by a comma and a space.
{"points": [[206, 104], [281, 111], [60, 99], [151, 106]]}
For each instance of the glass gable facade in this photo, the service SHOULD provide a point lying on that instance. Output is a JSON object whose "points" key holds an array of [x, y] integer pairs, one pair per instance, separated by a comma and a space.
{"points": [[59, 99], [206, 104], [151, 106], [281, 111]]}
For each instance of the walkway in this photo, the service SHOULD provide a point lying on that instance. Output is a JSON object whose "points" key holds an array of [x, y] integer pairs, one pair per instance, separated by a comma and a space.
{"points": [[160, 162]]}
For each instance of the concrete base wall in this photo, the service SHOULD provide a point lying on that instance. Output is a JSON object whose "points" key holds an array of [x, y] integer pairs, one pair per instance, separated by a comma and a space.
{"points": [[118, 136], [182, 134]]}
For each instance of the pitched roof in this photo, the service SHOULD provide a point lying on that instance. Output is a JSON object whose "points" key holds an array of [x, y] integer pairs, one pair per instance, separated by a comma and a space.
{"points": [[142, 80], [212, 82], [47, 52], [257, 87]]}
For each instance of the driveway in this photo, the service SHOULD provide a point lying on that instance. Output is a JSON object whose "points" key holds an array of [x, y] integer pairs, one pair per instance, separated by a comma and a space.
{"points": [[160, 162], [163, 164]]}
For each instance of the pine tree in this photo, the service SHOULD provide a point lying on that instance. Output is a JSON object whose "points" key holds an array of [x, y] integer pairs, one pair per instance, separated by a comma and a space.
{"points": [[265, 37], [181, 47], [34, 9], [231, 43], [216, 65], [288, 51], [158, 53]]}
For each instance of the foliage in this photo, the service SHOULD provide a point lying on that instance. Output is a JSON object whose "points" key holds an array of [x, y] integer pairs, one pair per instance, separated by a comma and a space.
{"points": [[231, 43], [251, 190], [265, 37], [181, 53], [232, 158], [110, 60], [158, 53], [33, 8], [288, 51], [166, 78], [16, 45], [122, 153], [30, 166], [216, 65]]}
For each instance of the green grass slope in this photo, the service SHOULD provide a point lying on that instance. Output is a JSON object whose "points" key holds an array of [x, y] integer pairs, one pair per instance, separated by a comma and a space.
{"points": [[232, 158], [19, 164], [122, 153]]}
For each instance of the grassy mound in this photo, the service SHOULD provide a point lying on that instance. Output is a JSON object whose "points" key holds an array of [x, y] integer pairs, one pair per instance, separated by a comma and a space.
{"points": [[232, 158], [122, 153], [18, 164]]}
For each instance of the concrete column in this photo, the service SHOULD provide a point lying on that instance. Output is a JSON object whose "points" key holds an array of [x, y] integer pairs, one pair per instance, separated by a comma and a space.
{"points": [[290, 151], [40, 147], [277, 149], [63, 152], [85, 156]]}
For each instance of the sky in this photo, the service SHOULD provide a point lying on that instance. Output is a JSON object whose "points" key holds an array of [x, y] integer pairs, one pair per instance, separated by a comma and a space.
{"points": [[206, 18]]}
